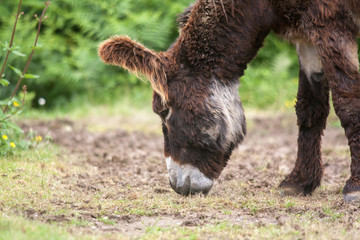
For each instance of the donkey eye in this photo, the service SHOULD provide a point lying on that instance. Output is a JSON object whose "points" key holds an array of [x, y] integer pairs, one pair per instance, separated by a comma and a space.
{"points": [[164, 114]]}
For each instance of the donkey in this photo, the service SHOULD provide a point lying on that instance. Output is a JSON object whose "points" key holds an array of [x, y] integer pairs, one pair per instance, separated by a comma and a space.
{"points": [[195, 84]]}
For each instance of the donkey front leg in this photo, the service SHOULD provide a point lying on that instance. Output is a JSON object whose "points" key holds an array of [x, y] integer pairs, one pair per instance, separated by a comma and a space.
{"points": [[312, 109]]}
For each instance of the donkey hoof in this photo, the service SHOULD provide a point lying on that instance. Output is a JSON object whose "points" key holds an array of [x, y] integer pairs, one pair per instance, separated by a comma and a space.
{"points": [[352, 197], [289, 189]]}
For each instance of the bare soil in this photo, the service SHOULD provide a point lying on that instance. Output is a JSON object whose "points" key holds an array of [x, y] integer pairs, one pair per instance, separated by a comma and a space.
{"points": [[122, 166]]}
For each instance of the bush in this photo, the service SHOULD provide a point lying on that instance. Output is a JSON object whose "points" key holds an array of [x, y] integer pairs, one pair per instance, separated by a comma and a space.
{"points": [[69, 64], [11, 106]]}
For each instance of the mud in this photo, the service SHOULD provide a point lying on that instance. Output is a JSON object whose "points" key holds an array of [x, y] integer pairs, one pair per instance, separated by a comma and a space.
{"points": [[122, 164]]}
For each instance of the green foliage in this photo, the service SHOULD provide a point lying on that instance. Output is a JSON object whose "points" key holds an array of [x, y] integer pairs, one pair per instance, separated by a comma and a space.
{"points": [[69, 64], [11, 106], [8, 130]]}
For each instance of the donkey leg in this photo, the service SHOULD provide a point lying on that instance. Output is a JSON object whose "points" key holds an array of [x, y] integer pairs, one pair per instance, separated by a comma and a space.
{"points": [[339, 53], [346, 99], [312, 109], [347, 107]]}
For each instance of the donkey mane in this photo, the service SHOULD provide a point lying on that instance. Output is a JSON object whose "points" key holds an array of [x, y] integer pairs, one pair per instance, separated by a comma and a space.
{"points": [[214, 43], [183, 17]]}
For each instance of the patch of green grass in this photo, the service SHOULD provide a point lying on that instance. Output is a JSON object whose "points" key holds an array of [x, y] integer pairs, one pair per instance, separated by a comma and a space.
{"points": [[20, 229], [79, 222], [270, 202], [61, 212], [226, 212], [133, 103], [25, 177], [140, 212], [106, 220], [293, 229], [331, 213], [289, 204], [250, 205], [99, 117]]}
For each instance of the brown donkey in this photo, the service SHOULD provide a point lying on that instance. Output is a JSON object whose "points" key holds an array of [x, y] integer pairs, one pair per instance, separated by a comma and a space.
{"points": [[195, 84]]}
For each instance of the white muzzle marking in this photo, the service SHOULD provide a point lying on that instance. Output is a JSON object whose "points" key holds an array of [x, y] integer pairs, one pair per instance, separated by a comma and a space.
{"points": [[187, 179]]}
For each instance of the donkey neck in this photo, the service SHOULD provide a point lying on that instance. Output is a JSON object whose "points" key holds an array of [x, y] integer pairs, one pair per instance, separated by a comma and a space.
{"points": [[219, 38]]}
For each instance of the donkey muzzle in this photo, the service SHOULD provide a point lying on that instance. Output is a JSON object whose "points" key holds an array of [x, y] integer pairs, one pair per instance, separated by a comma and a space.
{"points": [[187, 179]]}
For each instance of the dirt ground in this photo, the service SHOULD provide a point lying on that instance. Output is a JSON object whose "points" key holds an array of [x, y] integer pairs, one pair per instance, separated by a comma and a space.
{"points": [[125, 172]]}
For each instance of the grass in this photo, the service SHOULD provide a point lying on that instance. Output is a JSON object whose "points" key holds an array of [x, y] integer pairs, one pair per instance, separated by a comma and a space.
{"points": [[296, 228], [135, 106], [21, 229], [28, 188], [40, 198], [26, 175]]}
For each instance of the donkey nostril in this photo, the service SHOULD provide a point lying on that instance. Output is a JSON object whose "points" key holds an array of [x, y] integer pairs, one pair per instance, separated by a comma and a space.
{"points": [[182, 188]]}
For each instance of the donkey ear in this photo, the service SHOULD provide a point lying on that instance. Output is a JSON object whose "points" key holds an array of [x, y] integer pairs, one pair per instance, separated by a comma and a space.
{"points": [[122, 51]]}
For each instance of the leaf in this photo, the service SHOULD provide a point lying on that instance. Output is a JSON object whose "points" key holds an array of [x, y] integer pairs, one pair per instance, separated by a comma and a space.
{"points": [[17, 71], [4, 82], [39, 45], [18, 53], [19, 112], [5, 102], [13, 126], [5, 46], [28, 75]]}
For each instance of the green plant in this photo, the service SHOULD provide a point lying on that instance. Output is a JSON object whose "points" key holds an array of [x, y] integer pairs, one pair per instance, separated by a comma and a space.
{"points": [[69, 65], [289, 204], [11, 106]]}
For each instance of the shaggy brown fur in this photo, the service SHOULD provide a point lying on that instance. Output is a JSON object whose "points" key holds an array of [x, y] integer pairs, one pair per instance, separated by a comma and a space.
{"points": [[217, 40], [122, 51]]}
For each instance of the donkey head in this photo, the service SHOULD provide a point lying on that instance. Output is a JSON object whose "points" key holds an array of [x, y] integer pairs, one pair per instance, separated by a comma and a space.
{"points": [[195, 85], [202, 116]]}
